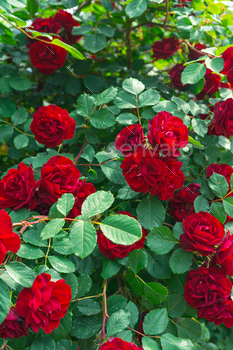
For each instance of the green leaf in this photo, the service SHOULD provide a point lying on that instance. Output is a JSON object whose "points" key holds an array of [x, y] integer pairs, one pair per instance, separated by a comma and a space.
{"points": [[20, 116], [228, 205], [32, 7], [134, 313], [52, 228], [74, 52], [21, 141], [176, 283], [199, 126], [155, 322], [126, 100], [5, 301], [19, 215], [218, 185], [160, 240], [113, 171], [196, 88], [115, 303], [190, 329], [127, 119], [20, 273], [6, 131], [155, 292], [106, 96], [20, 84], [61, 264], [217, 210], [95, 42], [85, 105], [97, 203], [106, 30], [110, 268], [121, 229], [125, 192], [201, 204], [194, 142], [133, 86], [221, 49], [8, 107], [193, 73], [169, 342], [117, 322], [85, 283], [178, 229], [137, 260], [217, 64], [184, 24], [88, 307], [72, 86], [28, 251], [136, 8], [175, 305], [72, 280], [82, 29], [82, 238], [33, 237], [63, 329], [88, 153], [158, 265], [148, 98], [85, 327], [102, 118], [180, 260], [17, 3], [65, 203], [150, 212], [43, 343], [149, 344]]}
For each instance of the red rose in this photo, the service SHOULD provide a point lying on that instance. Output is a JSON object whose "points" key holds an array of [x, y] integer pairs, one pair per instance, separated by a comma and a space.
{"points": [[206, 286], [13, 326], [221, 312], [118, 344], [17, 188], [181, 205], [129, 138], [83, 190], [46, 25], [223, 117], [212, 84], [228, 58], [9, 240], [47, 57], [167, 133], [58, 176], [194, 55], [51, 125], [224, 255], [142, 170], [175, 75], [173, 180], [41, 207], [165, 48], [202, 231], [44, 304], [222, 169], [68, 22], [112, 250]]}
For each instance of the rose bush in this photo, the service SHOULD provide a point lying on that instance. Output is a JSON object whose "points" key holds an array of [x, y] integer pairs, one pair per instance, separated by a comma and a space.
{"points": [[116, 185]]}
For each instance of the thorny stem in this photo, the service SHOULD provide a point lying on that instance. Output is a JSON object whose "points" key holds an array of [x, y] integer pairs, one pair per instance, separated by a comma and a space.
{"points": [[139, 118], [92, 296], [167, 13], [196, 50], [46, 256], [133, 330], [105, 311], [6, 122], [80, 152], [120, 286]]}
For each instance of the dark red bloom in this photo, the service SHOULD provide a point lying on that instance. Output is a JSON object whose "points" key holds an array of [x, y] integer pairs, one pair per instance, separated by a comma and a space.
{"points": [[222, 169], [228, 58], [175, 75], [173, 180], [224, 255], [221, 312], [47, 57], [58, 176], [83, 190], [143, 170], [9, 240], [223, 117], [68, 23], [182, 204], [129, 139], [45, 25], [112, 250], [165, 48], [13, 326], [212, 84], [44, 304], [194, 55], [17, 188], [206, 286], [202, 231], [51, 125], [118, 344], [167, 133]]}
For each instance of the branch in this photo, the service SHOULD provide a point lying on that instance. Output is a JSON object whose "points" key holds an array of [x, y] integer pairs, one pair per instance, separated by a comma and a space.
{"points": [[85, 3], [167, 13], [80, 152], [196, 50], [105, 311]]}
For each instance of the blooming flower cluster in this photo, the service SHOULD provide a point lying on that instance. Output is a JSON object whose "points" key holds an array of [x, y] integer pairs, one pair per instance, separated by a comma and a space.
{"points": [[150, 163]]}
